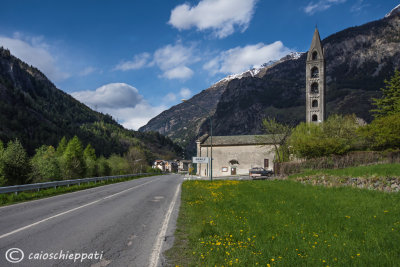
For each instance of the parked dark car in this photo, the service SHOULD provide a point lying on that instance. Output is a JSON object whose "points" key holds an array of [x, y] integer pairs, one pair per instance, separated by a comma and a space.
{"points": [[259, 172]]}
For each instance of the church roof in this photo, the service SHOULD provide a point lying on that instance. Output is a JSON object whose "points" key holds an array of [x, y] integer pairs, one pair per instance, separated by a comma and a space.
{"points": [[238, 140]]}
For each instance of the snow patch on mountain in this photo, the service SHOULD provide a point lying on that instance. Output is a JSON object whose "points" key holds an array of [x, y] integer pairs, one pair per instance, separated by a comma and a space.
{"points": [[256, 70], [393, 11]]}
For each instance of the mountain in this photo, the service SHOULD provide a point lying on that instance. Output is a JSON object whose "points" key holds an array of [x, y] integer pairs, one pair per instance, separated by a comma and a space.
{"points": [[358, 60], [33, 110]]}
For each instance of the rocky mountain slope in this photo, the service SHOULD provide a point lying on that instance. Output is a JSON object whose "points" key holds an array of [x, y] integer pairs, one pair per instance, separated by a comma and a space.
{"points": [[33, 110], [358, 59]]}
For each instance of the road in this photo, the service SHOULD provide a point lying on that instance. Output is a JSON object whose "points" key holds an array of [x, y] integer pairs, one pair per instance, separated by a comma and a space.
{"points": [[123, 224]]}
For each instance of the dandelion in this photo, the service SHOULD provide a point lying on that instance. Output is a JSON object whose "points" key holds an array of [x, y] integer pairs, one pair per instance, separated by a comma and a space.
{"points": [[358, 254], [272, 259]]}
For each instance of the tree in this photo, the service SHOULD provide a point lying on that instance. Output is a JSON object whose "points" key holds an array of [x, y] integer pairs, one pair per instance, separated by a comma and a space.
{"points": [[62, 146], [16, 166], [45, 165], [279, 134], [2, 179], [104, 168], [89, 155], [389, 103], [118, 164], [73, 163], [135, 158]]}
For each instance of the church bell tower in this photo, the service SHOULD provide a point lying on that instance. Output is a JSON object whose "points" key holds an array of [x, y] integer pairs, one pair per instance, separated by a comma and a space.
{"points": [[315, 81]]}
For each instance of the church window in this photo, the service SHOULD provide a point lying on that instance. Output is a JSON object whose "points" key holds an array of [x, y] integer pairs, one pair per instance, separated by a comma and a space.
{"points": [[314, 55], [314, 88], [314, 72], [314, 117], [315, 103]]}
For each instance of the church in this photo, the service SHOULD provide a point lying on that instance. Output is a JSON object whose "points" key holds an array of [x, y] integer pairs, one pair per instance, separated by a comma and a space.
{"points": [[235, 155]]}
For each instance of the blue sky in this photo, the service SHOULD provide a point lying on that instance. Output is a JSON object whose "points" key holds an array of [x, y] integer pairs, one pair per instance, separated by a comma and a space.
{"points": [[134, 59]]}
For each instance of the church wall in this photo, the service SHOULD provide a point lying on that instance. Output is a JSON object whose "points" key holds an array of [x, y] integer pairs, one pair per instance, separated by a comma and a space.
{"points": [[248, 156]]}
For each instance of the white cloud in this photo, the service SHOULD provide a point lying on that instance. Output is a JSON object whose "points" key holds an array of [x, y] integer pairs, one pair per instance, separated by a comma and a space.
{"points": [[87, 71], [181, 72], [173, 61], [138, 62], [170, 97], [359, 6], [123, 102], [240, 59], [185, 93], [113, 95], [134, 118], [219, 16], [321, 5], [35, 52]]}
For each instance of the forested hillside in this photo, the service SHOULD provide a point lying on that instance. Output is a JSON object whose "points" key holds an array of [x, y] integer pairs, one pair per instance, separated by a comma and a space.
{"points": [[36, 113]]}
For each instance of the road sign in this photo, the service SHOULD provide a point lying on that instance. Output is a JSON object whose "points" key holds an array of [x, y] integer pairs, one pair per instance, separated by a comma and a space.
{"points": [[200, 159]]}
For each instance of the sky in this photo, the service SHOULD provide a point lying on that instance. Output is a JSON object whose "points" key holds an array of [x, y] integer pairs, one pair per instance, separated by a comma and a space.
{"points": [[133, 59]]}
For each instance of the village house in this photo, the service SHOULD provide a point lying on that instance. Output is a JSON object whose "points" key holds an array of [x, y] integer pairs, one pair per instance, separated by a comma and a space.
{"points": [[235, 155]]}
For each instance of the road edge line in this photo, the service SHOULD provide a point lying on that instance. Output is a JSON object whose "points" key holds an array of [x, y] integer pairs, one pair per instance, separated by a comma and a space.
{"points": [[156, 253]]}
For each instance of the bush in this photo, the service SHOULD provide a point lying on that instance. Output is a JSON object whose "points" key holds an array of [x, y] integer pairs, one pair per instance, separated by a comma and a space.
{"points": [[383, 133], [336, 136]]}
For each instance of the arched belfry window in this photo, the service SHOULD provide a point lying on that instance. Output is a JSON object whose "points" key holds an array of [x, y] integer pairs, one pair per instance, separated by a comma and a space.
{"points": [[314, 72], [314, 117], [314, 88], [315, 103], [314, 55]]}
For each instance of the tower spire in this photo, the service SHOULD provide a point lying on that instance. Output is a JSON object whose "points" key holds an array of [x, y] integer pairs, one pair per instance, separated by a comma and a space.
{"points": [[315, 81]]}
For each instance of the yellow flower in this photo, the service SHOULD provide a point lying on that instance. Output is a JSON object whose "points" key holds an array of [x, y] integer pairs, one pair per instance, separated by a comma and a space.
{"points": [[358, 254], [272, 259]]}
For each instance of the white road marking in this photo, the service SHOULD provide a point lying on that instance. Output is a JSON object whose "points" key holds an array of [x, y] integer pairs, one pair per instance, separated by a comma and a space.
{"points": [[155, 255], [71, 210]]}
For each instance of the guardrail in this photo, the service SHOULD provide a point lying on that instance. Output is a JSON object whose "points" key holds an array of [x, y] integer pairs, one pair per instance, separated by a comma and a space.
{"points": [[26, 187]]}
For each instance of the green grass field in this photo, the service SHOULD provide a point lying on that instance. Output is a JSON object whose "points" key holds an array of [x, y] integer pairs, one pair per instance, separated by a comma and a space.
{"points": [[378, 170], [285, 223]]}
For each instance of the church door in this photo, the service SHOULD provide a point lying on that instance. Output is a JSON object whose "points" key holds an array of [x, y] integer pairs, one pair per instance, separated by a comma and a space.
{"points": [[233, 170]]}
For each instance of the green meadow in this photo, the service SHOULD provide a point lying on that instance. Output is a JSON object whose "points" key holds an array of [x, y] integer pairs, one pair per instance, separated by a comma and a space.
{"points": [[285, 223], [376, 170]]}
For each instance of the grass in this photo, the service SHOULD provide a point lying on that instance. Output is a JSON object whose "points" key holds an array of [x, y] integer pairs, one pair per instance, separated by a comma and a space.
{"points": [[378, 170], [11, 198], [285, 223]]}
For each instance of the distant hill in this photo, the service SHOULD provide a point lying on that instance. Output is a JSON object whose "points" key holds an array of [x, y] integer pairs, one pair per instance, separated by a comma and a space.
{"points": [[358, 60], [33, 110]]}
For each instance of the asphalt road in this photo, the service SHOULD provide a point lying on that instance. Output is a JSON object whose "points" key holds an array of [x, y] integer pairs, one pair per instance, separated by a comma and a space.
{"points": [[126, 224]]}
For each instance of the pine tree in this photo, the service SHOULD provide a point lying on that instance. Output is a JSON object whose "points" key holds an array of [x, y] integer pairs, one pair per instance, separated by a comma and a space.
{"points": [[389, 103], [62, 146], [89, 155], [73, 163]]}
